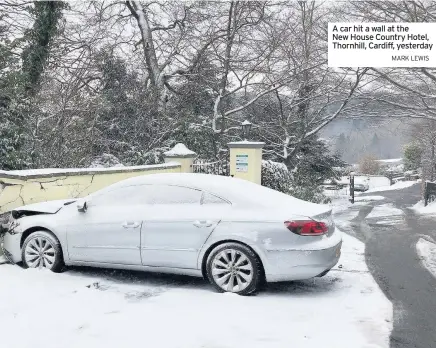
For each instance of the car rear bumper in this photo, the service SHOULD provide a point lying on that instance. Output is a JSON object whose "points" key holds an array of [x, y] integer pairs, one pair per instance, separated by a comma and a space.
{"points": [[301, 264]]}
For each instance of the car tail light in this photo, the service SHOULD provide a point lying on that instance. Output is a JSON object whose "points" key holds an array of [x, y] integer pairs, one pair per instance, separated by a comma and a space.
{"points": [[307, 227]]}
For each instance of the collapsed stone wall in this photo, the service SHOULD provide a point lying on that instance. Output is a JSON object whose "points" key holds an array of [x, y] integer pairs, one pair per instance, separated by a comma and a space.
{"points": [[19, 188]]}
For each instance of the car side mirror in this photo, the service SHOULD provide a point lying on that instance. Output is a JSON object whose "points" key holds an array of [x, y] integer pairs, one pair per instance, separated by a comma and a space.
{"points": [[82, 206]]}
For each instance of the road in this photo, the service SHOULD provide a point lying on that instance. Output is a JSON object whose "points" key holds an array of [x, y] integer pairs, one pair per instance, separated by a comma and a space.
{"points": [[393, 261]]}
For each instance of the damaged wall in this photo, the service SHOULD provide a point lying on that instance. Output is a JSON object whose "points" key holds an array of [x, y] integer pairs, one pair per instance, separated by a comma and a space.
{"points": [[19, 188]]}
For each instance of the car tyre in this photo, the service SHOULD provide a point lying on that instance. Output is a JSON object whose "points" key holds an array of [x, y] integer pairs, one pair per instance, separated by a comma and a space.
{"points": [[233, 267], [42, 249]]}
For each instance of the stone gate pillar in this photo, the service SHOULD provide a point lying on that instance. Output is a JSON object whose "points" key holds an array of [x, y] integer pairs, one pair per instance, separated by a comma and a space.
{"points": [[180, 153], [246, 160]]}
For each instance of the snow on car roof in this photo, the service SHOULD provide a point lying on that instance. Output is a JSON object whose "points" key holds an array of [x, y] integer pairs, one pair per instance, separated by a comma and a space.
{"points": [[234, 189], [197, 180]]}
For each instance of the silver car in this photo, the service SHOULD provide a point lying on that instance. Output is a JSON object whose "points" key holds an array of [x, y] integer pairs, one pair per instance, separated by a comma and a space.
{"points": [[362, 187], [233, 232]]}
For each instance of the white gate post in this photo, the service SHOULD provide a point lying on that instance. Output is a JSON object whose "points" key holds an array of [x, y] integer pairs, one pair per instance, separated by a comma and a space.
{"points": [[246, 160], [180, 153]]}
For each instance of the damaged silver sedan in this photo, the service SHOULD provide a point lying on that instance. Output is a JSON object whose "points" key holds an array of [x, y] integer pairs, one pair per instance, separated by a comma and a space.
{"points": [[233, 232]]}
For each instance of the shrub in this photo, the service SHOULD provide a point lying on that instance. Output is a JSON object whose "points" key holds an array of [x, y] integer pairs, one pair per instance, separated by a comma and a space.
{"points": [[106, 160], [276, 176], [369, 165], [303, 183], [306, 185], [412, 156]]}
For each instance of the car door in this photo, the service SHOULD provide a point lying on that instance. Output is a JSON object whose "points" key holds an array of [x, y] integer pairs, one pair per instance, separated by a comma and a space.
{"points": [[176, 227], [109, 231]]}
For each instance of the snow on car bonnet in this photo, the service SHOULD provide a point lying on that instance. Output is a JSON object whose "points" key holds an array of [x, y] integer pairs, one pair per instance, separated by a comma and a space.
{"points": [[49, 207]]}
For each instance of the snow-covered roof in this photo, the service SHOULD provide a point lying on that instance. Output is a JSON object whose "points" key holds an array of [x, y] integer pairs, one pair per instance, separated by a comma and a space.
{"points": [[180, 150]]}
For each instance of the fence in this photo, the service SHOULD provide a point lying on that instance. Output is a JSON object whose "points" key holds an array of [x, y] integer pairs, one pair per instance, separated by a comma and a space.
{"points": [[430, 192], [216, 167]]}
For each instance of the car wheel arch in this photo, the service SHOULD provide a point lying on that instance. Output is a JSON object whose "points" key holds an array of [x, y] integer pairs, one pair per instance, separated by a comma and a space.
{"points": [[31, 230], [218, 243]]}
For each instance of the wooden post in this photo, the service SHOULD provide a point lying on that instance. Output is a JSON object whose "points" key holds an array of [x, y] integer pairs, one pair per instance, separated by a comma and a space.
{"points": [[425, 194], [391, 178], [352, 187]]}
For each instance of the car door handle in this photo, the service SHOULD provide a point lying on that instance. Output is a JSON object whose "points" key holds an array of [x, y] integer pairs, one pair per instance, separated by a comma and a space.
{"points": [[130, 224], [198, 223]]}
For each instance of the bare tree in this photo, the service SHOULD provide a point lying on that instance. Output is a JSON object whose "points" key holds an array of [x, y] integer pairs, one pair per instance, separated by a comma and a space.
{"points": [[405, 92], [316, 94], [130, 77]]}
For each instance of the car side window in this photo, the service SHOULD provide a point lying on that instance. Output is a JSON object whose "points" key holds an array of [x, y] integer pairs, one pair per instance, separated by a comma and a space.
{"points": [[148, 194], [129, 195], [167, 194], [209, 198]]}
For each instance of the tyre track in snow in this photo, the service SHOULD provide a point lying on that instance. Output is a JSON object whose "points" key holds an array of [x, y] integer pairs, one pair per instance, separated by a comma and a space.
{"points": [[392, 259]]}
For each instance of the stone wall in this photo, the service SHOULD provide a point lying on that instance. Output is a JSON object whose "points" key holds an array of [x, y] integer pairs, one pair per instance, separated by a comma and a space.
{"points": [[19, 188]]}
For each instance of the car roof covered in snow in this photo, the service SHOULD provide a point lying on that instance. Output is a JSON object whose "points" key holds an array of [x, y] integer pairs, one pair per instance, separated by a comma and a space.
{"points": [[234, 189], [221, 185]]}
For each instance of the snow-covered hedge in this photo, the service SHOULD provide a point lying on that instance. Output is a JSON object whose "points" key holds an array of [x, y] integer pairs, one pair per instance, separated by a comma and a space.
{"points": [[106, 160], [308, 191], [276, 176]]}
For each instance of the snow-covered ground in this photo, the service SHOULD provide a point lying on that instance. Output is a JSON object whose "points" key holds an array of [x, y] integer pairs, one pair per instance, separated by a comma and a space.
{"points": [[340, 198], [391, 160], [384, 210], [374, 181], [386, 214], [342, 202], [375, 184], [96, 308], [427, 252], [430, 209], [397, 186], [368, 198]]}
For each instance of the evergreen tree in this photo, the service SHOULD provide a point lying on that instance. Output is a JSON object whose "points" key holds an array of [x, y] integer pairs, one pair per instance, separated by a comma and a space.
{"points": [[19, 80], [12, 153], [412, 156], [341, 144], [316, 165], [374, 147], [47, 16]]}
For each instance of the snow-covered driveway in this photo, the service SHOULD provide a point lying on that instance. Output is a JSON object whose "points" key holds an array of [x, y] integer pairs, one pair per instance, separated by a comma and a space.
{"points": [[426, 249], [93, 308]]}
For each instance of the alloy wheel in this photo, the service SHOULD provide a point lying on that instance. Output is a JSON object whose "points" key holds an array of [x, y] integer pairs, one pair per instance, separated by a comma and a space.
{"points": [[39, 252], [232, 270]]}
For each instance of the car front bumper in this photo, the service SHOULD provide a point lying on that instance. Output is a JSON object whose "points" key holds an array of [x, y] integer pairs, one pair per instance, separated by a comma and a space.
{"points": [[287, 265], [11, 246]]}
